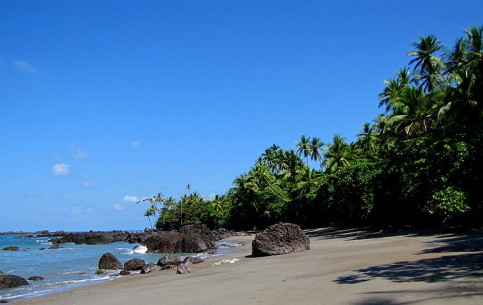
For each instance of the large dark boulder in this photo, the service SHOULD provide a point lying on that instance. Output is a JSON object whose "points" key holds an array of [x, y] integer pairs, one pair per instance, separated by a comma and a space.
{"points": [[12, 281], [164, 242], [280, 238], [110, 262], [134, 264], [190, 239]]}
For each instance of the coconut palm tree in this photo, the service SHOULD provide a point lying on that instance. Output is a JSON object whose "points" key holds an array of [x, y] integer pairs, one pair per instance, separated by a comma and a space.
{"points": [[315, 148], [367, 137], [304, 148], [393, 88], [307, 182], [337, 154], [427, 63], [465, 100], [415, 111]]}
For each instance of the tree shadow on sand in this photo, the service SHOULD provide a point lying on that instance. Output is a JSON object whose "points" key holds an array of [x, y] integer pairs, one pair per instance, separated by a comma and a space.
{"points": [[426, 270], [457, 243], [430, 270], [462, 261], [362, 233]]}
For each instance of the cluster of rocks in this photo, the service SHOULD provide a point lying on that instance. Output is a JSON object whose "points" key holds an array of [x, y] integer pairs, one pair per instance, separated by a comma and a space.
{"points": [[12, 281], [189, 239], [281, 238], [109, 262]]}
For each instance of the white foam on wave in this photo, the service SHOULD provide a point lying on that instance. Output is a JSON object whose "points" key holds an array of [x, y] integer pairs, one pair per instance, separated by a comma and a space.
{"points": [[125, 250], [74, 282], [39, 293], [73, 272], [138, 249]]}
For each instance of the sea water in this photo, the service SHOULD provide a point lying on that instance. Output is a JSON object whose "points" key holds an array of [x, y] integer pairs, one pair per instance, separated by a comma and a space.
{"points": [[65, 268]]}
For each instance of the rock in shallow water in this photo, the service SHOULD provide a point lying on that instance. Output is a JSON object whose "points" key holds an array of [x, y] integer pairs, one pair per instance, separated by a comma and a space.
{"points": [[280, 238], [12, 281], [11, 248], [109, 261]]}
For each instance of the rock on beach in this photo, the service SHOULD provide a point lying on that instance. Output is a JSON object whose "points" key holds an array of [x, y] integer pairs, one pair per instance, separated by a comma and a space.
{"points": [[134, 264], [280, 238]]}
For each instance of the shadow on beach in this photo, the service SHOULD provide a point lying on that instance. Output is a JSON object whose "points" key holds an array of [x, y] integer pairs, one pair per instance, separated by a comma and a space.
{"points": [[448, 267], [362, 233], [462, 262]]}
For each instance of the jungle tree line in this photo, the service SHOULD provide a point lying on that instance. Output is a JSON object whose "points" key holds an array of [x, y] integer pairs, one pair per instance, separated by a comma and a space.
{"points": [[419, 162]]}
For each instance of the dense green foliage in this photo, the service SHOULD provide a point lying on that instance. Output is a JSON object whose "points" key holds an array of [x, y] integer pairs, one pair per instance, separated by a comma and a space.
{"points": [[419, 163]]}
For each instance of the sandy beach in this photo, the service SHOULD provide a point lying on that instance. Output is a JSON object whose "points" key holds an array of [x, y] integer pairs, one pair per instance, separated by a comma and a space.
{"points": [[343, 267]]}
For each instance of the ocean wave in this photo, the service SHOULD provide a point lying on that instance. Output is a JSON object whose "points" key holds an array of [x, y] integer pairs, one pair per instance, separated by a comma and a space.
{"points": [[38, 293], [138, 249], [74, 282], [73, 272]]}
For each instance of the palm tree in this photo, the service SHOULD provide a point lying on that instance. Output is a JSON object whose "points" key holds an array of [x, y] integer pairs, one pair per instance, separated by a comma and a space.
{"points": [[151, 211], [272, 157], [290, 165], [217, 203], [315, 148], [368, 137], [304, 147], [307, 182], [415, 111], [429, 65], [394, 88], [465, 100], [337, 154]]}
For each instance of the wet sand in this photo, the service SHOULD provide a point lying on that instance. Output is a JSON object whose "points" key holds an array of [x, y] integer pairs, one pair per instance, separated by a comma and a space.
{"points": [[343, 267]]}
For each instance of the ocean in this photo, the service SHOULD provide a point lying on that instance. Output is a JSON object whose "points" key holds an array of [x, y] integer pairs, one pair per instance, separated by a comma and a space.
{"points": [[65, 268]]}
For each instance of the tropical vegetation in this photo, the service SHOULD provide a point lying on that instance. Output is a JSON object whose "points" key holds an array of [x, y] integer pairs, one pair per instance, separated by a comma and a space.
{"points": [[420, 162]]}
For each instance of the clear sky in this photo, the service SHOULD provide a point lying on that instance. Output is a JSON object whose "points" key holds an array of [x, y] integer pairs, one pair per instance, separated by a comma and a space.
{"points": [[104, 102]]}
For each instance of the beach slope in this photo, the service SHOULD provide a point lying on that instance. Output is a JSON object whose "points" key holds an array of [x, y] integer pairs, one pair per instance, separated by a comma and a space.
{"points": [[343, 267]]}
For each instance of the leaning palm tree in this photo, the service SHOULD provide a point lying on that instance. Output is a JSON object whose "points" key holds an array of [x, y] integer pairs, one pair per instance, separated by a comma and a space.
{"points": [[393, 89]]}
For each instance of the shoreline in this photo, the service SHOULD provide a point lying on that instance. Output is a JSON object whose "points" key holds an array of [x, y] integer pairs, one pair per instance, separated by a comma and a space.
{"points": [[75, 283], [343, 267]]}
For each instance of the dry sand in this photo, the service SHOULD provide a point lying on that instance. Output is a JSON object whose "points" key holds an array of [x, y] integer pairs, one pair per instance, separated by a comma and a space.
{"points": [[343, 267]]}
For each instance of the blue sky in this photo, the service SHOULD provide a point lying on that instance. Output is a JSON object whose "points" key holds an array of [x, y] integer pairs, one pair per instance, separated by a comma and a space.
{"points": [[106, 102]]}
